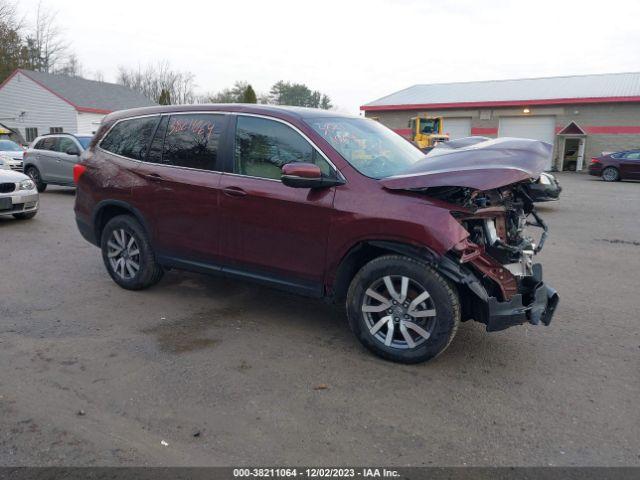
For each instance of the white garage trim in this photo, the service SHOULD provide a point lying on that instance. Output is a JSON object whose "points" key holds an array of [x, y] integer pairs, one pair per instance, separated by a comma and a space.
{"points": [[457, 127], [536, 128]]}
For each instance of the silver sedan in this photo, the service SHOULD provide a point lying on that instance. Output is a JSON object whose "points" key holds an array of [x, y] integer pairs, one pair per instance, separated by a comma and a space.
{"points": [[18, 195]]}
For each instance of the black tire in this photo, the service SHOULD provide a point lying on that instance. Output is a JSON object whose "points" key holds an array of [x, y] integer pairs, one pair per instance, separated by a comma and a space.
{"points": [[25, 216], [149, 272], [610, 174], [443, 298], [34, 174]]}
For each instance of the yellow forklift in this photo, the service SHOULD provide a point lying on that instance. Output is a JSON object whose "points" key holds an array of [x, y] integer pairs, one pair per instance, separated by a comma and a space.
{"points": [[426, 132]]}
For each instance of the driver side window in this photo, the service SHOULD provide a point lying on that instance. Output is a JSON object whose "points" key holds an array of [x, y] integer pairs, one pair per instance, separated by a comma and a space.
{"points": [[65, 144], [263, 146]]}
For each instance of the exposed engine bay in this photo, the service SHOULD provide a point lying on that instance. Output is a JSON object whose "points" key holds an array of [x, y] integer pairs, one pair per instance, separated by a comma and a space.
{"points": [[488, 188], [497, 220]]}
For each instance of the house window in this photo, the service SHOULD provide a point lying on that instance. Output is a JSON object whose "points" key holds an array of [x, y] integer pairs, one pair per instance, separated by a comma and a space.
{"points": [[31, 133], [55, 129]]}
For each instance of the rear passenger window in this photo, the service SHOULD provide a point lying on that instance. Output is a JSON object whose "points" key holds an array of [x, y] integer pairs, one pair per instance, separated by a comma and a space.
{"points": [[49, 143], [131, 138], [189, 141]]}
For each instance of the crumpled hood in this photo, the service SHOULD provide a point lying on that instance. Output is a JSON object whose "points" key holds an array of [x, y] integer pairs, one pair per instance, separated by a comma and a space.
{"points": [[483, 166]]}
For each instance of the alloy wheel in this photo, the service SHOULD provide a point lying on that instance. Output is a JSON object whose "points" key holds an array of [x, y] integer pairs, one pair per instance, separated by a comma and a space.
{"points": [[399, 312], [610, 174], [123, 254]]}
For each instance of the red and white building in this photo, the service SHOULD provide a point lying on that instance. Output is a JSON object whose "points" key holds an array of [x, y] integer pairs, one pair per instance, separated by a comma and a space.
{"points": [[582, 115]]}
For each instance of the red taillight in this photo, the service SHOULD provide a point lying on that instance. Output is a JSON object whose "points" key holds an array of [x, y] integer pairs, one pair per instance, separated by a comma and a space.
{"points": [[594, 160], [78, 170]]}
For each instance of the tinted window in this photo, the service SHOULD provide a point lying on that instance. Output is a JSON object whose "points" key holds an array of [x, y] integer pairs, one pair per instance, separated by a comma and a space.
{"points": [[130, 138], [49, 143], [263, 146], [155, 151], [632, 156], [190, 141]]}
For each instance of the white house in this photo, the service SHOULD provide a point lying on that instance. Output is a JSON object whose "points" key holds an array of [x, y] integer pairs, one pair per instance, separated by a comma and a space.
{"points": [[34, 103]]}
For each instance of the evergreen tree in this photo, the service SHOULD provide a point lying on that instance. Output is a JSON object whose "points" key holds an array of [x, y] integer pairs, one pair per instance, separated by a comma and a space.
{"points": [[165, 97], [249, 95]]}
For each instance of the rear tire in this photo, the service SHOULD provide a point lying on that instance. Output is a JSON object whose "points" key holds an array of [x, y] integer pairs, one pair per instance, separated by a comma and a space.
{"points": [[34, 174], [422, 316], [127, 254], [24, 216], [610, 174]]}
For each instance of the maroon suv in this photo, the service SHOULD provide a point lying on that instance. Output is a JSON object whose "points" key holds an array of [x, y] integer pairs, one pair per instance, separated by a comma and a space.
{"points": [[324, 205]]}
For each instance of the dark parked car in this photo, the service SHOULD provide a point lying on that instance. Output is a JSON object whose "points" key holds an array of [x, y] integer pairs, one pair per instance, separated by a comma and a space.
{"points": [[51, 158], [323, 205], [616, 166]]}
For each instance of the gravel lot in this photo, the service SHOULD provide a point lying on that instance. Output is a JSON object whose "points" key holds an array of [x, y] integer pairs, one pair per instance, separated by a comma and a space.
{"points": [[228, 373]]}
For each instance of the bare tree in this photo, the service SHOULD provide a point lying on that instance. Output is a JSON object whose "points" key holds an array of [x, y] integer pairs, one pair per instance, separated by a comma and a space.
{"points": [[153, 79], [71, 67], [46, 45], [236, 94], [98, 76]]}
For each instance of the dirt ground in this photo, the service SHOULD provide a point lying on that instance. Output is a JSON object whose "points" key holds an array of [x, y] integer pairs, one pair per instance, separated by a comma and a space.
{"points": [[206, 371]]}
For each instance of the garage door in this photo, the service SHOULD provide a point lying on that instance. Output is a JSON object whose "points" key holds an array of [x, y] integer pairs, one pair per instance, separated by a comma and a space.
{"points": [[535, 128], [457, 127]]}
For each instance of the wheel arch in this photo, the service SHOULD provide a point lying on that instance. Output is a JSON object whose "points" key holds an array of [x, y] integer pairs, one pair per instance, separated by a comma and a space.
{"points": [[366, 250], [107, 209]]}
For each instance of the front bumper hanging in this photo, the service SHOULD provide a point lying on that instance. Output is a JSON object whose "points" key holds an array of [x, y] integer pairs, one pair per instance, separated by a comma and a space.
{"points": [[501, 315], [534, 303]]}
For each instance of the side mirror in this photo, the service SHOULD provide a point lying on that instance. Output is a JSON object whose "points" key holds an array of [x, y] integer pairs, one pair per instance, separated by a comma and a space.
{"points": [[306, 175], [72, 151]]}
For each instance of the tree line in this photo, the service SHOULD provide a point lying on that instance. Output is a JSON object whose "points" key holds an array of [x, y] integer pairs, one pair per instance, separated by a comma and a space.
{"points": [[36, 45], [164, 85], [39, 45]]}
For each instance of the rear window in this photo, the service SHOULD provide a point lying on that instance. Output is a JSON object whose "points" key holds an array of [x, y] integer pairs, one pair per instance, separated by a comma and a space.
{"points": [[131, 138]]}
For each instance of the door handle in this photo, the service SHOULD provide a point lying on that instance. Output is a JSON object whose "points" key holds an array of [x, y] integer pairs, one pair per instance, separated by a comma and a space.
{"points": [[154, 177], [234, 192]]}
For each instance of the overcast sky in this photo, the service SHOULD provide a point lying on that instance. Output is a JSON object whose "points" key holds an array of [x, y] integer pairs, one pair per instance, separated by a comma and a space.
{"points": [[355, 51]]}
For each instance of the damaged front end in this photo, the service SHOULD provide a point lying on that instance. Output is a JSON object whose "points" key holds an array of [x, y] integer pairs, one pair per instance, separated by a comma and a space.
{"points": [[496, 261], [493, 266]]}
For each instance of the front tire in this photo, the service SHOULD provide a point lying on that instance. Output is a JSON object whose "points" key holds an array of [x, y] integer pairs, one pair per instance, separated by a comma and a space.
{"points": [[34, 174], [610, 174], [402, 309], [127, 254]]}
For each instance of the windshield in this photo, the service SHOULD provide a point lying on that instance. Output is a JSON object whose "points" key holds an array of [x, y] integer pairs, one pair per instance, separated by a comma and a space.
{"points": [[84, 141], [370, 147], [9, 146], [427, 125]]}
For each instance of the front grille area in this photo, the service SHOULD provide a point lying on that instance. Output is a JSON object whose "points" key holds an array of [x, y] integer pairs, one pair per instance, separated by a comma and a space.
{"points": [[18, 167], [7, 187]]}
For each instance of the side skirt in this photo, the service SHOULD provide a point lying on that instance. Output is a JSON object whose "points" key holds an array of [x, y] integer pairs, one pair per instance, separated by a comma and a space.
{"points": [[305, 288]]}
